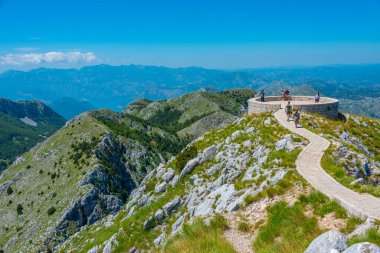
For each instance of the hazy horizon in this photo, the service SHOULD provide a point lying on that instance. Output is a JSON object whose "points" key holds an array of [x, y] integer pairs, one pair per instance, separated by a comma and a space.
{"points": [[221, 34]]}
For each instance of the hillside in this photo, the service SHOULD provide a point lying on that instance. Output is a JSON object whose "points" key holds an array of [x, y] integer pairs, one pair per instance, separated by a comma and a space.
{"points": [[131, 182], [89, 168], [235, 189], [22, 125], [193, 114]]}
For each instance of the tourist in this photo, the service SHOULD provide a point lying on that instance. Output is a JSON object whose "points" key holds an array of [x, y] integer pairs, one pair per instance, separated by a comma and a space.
{"points": [[287, 94], [282, 92], [297, 117], [289, 110], [262, 96], [317, 98]]}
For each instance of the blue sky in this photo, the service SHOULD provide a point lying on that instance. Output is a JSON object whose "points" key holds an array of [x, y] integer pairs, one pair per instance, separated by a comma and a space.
{"points": [[208, 33]]}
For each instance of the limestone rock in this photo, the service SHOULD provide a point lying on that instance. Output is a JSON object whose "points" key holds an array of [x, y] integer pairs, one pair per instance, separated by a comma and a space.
{"points": [[159, 215], [168, 175], [208, 153], [160, 187], [94, 249], [159, 239], [177, 225], [190, 166], [236, 134], [149, 223], [143, 200], [363, 247], [285, 143], [160, 171], [172, 205], [328, 241], [110, 244], [174, 181], [363, 228]]}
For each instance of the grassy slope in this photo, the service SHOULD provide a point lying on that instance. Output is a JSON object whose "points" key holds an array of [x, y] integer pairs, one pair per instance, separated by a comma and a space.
{"points": [[130, 229], [369, 135], [177, 114], [17, 137], [36, 189]]}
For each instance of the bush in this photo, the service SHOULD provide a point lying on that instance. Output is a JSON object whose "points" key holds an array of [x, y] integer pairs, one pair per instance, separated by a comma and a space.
{"points": [[249, 199], [243, 226], [9, 190], [51, 210], [186, 155], [19, 209]]}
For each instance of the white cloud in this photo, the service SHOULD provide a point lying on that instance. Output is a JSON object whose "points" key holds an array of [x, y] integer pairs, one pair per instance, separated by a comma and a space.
{"points": [[50, 57]]}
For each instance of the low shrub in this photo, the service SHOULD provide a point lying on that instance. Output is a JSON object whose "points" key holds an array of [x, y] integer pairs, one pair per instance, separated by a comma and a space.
{"points": [[51, 210]]}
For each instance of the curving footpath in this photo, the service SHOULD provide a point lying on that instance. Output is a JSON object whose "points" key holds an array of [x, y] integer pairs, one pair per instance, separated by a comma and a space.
{"points": [[309, 166]]}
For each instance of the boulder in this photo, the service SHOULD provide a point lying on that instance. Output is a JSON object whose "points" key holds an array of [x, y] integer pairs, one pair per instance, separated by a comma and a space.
{"points": [[172, 205], [143, 200], [250, 130], [168, 175], [159, 239], [362, 229], [149, 223], [178, 224], [159, 215], [328, 241], [214, 168], [363, 247], [285, 143], [174, 181], [110, 244], [190, 166], [133, 250], [131, 211], [94, 249], [208, 153], [236, 134], [160, 187], [160, 171]]}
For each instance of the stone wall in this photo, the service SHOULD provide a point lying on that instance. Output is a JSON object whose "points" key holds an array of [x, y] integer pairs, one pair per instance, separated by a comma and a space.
{"points": [[326, 106]]}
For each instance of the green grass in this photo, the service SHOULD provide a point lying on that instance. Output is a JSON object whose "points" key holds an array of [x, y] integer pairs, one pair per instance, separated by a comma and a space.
{"points": [[322, 205], [372, 236], [244, 226], [201, 238], [287, 230]]}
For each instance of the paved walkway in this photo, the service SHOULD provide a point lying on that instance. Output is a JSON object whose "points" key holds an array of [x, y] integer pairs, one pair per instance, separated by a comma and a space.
{"points": [[309, 166]]}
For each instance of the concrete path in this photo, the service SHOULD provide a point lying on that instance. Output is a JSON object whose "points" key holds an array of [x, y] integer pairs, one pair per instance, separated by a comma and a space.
{"points": [[309, 166]]}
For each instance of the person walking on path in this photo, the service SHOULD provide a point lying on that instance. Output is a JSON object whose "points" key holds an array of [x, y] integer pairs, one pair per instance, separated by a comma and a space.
{"points": [[317, 98], [262, 96], [289, 110], [297, 117]]}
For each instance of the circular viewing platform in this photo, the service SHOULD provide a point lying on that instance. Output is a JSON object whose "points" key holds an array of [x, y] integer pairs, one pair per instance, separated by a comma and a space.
{"points": [[326, 106]]}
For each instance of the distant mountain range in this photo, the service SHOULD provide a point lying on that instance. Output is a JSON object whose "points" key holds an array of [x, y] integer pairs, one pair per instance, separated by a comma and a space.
{"points": [[114, 87], [22, 125]]}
